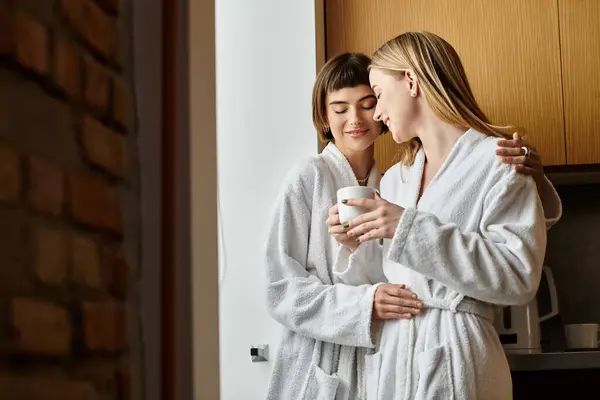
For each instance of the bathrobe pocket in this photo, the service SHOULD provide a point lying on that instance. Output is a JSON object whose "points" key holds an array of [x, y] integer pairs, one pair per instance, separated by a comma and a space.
{"points": [[321, 386], [372, 371], [435, 376]]}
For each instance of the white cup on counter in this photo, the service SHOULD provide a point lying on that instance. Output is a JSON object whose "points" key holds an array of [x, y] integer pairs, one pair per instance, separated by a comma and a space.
{"points": [[582, 336], [352, 192]]}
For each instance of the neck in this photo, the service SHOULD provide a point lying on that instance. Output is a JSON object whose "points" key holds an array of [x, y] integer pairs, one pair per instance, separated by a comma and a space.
{"points": [[361, 162], [438, 138]]}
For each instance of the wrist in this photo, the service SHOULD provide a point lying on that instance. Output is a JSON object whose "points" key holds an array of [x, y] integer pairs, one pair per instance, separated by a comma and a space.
{"points": [[350, 248]]}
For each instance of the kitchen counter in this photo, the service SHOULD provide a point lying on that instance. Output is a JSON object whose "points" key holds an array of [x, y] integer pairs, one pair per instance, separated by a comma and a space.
{"points": [[554, 361]]}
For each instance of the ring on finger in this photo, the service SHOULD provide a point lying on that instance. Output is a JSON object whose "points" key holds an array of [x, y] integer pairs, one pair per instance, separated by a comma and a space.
{"points": [[527, 151]]}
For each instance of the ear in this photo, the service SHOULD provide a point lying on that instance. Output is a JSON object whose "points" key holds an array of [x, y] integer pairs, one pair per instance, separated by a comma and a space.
{"points": [[412, 83]]}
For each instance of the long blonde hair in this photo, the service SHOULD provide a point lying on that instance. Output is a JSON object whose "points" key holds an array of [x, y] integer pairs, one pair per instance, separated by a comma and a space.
{"points": [[442, 80]]}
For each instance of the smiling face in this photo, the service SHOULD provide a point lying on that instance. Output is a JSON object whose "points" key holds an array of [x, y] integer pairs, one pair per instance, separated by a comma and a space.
{"points": [[396, 108], [350, 118]]}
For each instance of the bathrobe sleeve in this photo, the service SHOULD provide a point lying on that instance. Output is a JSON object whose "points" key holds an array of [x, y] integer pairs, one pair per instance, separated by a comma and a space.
{"points": [[501, 264], [551, 203], [298, 299], [361, 266]]}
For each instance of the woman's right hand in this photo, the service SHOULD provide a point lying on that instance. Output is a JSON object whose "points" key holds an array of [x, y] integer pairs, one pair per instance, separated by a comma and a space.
{"points": [[394, 301], [338, 231]]}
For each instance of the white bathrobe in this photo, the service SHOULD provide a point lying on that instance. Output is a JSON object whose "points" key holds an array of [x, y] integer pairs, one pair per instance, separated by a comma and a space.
{"points": [[476, 238], [324, 320]]}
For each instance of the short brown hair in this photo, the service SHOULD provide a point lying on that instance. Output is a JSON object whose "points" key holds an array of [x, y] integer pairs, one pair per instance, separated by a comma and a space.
{"points": [[342, 71]]}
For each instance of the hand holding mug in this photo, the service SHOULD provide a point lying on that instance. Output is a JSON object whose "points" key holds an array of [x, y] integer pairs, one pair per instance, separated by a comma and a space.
{"points": [[339, 233], [379, 222]]}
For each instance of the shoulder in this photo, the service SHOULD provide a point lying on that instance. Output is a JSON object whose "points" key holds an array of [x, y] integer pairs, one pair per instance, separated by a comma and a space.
{"points": [[500, 177], [392, 177], [395, 182], [483, 155], [304, 174]]}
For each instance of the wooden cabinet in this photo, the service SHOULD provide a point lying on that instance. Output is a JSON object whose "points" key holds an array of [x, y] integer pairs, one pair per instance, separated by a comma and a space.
{"points": [[580, 48], [511, 51]]}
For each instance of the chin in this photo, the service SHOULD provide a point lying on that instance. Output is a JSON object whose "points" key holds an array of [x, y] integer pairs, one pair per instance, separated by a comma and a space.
{"points": [[361, 145], [397, 137], [400, 138]]}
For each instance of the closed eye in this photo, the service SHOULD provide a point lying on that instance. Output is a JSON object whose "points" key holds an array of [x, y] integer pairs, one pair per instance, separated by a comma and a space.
{"points": [[370, 107]]}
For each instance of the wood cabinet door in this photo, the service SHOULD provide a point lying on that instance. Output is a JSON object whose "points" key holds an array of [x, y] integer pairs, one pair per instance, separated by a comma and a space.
{"points": [[510, 50], [580, 48]]}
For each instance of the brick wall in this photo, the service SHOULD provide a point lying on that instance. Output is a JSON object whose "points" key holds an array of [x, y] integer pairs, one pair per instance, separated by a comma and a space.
{"points": [[69, 201]]}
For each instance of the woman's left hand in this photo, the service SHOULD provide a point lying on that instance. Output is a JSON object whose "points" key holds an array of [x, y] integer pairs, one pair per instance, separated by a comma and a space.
{"points": [[512, 152], [379, 222]]}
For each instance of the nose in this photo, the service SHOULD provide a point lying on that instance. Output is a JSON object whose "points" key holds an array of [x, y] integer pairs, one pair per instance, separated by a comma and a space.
{"points": [[355, 118], [377, 113]]}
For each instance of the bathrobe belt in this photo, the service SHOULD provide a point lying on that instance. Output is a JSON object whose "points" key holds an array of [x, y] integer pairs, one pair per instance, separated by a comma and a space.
{"points": [[462, 304]]}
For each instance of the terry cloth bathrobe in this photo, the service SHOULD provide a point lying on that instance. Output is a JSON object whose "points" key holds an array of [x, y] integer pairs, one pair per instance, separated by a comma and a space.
{"points": [[475, 239], [326, 323]]}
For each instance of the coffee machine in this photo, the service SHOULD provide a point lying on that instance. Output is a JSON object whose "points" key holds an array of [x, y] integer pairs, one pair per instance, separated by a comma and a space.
{"points": [[519, 326]]}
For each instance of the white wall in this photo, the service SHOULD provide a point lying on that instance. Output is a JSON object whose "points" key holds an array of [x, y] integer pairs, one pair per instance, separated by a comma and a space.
{"points": [[265, 57]]}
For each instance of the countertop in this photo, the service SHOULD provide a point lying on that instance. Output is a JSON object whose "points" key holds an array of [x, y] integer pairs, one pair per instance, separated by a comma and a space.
{"points": [[554, 361]]}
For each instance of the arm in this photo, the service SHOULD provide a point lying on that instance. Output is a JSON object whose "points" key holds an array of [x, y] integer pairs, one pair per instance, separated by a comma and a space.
{"points": [[354, 265], [502, 265], [551, 202], [299, 300], [364, 265], [511, 152]]}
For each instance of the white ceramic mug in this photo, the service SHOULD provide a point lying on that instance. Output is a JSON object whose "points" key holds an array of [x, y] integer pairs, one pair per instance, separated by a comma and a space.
{"points": [[352, 192], [582, 336]]}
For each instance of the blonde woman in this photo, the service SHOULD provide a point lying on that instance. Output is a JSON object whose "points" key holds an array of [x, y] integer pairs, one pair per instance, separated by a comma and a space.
{"points": [[459, 228]]}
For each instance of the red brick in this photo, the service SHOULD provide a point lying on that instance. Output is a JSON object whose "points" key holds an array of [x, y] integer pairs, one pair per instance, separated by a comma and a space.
{"points": [[93, 24], [104, 325], [42, 328], [85, 259], [95, 203], [109, 5], [105, 148], [10, 175], [44, 386], [72, 11], [46, 191], [100, 29], [67, 67], [31, 43], [102, 375], [122, 104], [111, 379], [5, 29], [51, 255], [116, 271], [96, 86]]}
